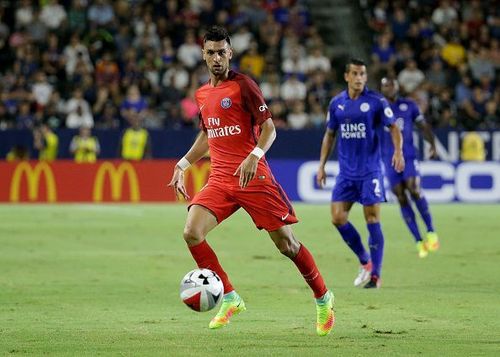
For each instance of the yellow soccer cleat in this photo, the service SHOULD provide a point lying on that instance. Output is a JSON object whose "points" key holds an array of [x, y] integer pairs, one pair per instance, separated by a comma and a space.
{"points": [[432, 242], [227, 310], [422, 250], [325, 318]]}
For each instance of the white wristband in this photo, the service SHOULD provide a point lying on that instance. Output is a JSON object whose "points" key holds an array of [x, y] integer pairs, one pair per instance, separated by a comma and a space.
{"points": [[183, 164], [257, 151]]}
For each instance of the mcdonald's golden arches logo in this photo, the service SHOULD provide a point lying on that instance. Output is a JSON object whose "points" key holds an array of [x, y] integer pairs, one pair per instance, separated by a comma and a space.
{"points": [[116, 177], [33, 181]]}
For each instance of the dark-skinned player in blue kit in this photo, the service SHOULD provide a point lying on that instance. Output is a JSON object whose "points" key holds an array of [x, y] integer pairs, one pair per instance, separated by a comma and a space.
{"points": [[407, 183]]}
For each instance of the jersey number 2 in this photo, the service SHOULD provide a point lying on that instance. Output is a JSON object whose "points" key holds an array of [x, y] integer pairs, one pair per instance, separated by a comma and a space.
{"points": [[376, 182]]}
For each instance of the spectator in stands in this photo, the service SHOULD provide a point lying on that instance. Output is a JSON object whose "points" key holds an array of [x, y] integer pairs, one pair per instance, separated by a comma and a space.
{"points": [[473, 147], [76, 101], [278, 108], [240, 41], [317, 61], [444, 14], [53, 15], [107, 72], [296, 63], [298, 118], [271, 86], [383, 53], [135, 143], [101, 14], [189, 53], [453, 53], [176, 76], [41, 90], [76, 52], [79, 117], [25, 119], [475, 109], [410, 77], [108, 118], [77, 16], [293, 89], [37, 30], [252, 62], [134, 105], [84, 147], [400, 24], [24, 14], [18, 153], [189, 109], [492, 117], [481, 65], [46, 142]]}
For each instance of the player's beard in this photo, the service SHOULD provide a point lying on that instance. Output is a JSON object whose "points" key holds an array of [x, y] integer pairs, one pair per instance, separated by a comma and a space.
{"points": [[218, 70]]}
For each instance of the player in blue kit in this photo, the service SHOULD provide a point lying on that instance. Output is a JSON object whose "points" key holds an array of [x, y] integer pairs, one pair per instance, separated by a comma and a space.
{"points": [[406, 183], [359, 115]]}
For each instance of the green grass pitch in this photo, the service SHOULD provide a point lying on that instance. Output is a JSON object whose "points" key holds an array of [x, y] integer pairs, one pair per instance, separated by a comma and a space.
{"points": [[104, 279]]}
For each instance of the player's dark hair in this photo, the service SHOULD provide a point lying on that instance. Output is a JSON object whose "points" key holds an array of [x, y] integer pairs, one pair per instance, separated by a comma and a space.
{"points": [[354, 61], [216, 34]]}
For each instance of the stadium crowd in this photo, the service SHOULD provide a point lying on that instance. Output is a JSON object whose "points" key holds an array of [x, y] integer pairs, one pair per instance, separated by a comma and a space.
{"points": [[104, 63], [100, 63], [445, 54]]}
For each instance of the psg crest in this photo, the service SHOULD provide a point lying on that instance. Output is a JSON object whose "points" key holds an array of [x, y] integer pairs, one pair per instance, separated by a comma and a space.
{"points": [[225, 103]]}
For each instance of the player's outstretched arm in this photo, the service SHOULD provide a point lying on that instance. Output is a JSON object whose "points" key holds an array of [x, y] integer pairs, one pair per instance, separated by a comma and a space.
{"points": [[196, 152], [248, 167], [429, 137], [326, 150], [398, 161]]}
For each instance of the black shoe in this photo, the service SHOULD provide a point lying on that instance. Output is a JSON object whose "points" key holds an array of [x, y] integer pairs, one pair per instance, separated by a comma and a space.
{"points": [[374, 283]]}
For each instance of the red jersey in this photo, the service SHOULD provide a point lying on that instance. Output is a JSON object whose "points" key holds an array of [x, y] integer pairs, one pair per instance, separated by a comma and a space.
{"points": [[231, 115]]}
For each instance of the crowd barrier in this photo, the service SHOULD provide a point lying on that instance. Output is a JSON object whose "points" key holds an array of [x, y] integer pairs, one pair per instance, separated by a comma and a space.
{"points": [[146, 181]]}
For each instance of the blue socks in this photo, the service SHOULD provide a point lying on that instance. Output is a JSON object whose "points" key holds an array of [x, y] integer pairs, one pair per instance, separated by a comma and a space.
{"points": [[423, 208], [376, 242], [353, 240], [409, 217]]}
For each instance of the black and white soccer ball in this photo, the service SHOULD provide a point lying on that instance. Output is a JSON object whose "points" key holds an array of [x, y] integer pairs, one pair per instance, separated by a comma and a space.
{"points": [[201, 289]]}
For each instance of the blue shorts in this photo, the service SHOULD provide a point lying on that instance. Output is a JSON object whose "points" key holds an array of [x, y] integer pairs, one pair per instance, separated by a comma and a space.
{"points": [[368, 191], [395, 178]]}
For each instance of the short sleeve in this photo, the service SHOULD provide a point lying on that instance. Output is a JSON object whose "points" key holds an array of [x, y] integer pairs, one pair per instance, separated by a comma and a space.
{"points": [[331, 119], [201, 124], [253, 101], [386, 113], [416, 114]]}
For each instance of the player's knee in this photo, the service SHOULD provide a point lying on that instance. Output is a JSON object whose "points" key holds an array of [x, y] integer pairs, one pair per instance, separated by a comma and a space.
{"points": [[339, 220], [192, 236], [415, 193], [372, 219], [288, 247], [402, 199]]}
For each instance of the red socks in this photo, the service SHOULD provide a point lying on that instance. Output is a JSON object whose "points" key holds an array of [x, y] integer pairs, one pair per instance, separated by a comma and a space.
{"points": [[205, 258], [307, 267]]}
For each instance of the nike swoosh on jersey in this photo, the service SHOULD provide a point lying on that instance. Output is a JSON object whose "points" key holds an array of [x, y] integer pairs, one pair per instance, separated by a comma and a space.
{"points": [[285, 216]]}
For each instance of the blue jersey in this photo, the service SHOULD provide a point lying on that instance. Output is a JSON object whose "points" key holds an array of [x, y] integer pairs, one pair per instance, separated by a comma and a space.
{"points": [[406, 113], [359, 123]]}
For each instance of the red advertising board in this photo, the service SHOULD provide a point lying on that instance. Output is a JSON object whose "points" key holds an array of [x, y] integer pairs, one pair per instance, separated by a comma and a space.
{"points": [[103, 181]]}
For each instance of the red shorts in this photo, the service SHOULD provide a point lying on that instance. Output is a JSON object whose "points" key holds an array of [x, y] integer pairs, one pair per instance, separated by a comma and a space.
{"points": [[263, 199]]}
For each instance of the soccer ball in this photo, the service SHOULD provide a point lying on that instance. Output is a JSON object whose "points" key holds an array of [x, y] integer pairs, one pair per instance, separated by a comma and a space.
{"points": [[201, 289]]}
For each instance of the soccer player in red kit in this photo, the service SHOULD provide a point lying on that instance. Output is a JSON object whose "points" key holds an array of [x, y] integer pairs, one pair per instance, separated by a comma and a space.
{"points": [[237, 129]]}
